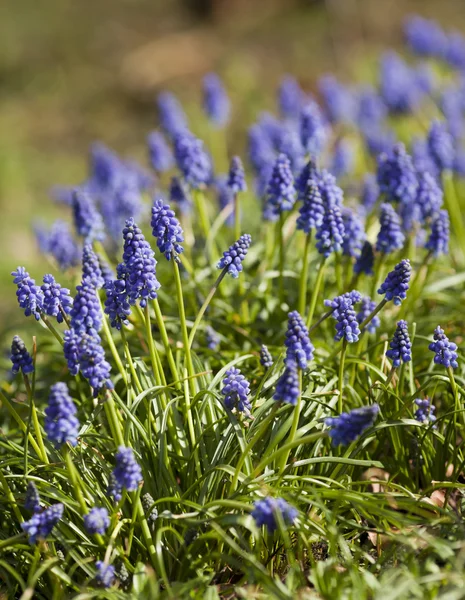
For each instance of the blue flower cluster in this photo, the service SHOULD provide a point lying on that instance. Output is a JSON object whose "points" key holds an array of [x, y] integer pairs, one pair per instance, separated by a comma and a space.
{"points": [[61, 424], [344, 312], [41, 524], [105, 575], [397, 178], [57, 301], [266, 360], [288, 387], [97, 520], [347, 427], [20, 358], [212, 338], [32, 498], [438, 241], [236, 178], [59, 243], [445, 352], [425, 411], [400, 347], [233, 257], [30, 296], [270, 511], [366, 260], [299, 347], [281, 193], [192, 160], [161, 156], [167, 230], [216, 103], [390, 236], [236, 391], [127, 473], [396, 284]]}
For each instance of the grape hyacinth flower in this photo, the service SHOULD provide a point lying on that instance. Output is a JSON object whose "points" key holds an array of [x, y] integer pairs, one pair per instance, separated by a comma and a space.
{"points": [[260, 148], [400, 348], [167, 230], [212, 338], [288, 386], [216, 103], [281, 192], [309, 175], [429, 196], [390, 237], [370, 192], [149, 509], [266, 360], [236, 178], [91, 270], [233, 257], [455, 50], [97, 521], [160, 154], [172, 116], [92, 363], [366, 260], [330, 234], [425, 411], [313, 134], [445, 351], [127, 472], [398, 85], [371, 109], [438, 241], [424, 36], [266, 510], [115, 490], [180, 195], [343, 311], [289, 144], [117, 305], [343, 158], [138, 268], [441, 145], [367, 307], [32, 499], [299, 347], [41, 524], [312, 211], [87, 220], [21, 360], [422, 159], [290, 98], [30, 296], [339, 100], [236, 390], [347, 427], [378, 139], [70, 351], [192, 160], [354, 234], [61, 424], [105, 575], [86, 314], [57, 300], [396, 175], [59, 243], [396, 284]]}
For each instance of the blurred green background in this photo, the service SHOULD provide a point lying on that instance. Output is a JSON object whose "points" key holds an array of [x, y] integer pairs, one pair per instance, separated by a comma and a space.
{"points": [[75, 72]]}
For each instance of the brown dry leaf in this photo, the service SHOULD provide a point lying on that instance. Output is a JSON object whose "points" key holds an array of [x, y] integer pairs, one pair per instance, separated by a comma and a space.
{"points": [[376, 475]]}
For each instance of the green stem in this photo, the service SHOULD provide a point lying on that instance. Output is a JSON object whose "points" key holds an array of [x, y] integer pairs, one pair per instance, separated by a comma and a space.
{"points": [[458, 408], [35, 420], [11, 499], [378, 274], [280, 226], [205, 306], [199, 200], [74, 479], [183, 323], [166, 342], [295, 424], [134, 377], [52, 329], [373, 314], [151, 345], [21, 424], [316, 291], [248, 449], [237, 217], [111, 344], [341, 375], [338, 272], [304, 275]]}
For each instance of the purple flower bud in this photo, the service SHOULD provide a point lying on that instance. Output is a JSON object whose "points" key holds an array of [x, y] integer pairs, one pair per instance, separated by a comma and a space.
{"points": [[61, 424], [236, 390], [20, 358]]}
